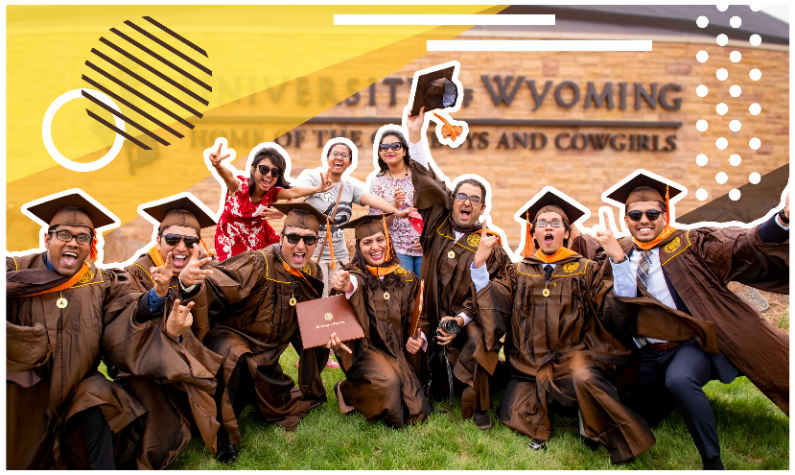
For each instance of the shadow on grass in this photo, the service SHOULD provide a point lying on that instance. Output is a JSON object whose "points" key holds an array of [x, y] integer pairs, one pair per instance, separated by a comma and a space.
{"points": [[754, 434]]}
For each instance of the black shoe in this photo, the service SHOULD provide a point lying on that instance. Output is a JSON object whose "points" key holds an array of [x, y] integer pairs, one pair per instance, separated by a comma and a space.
{"points": [[227, 453], [713, 463], [537, 445], [482, 420]]}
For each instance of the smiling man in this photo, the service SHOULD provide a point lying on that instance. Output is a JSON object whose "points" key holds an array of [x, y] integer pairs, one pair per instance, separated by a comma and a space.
{"points": [[671, 296], [63, 315], [250, 300], [549, 308], [450, 237]]}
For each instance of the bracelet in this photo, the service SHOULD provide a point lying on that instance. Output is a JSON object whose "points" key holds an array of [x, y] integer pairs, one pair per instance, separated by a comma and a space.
{"points": [[784, 219]]}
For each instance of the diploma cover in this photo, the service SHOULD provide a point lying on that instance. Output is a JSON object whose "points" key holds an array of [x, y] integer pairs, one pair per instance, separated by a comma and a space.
{"points": [[415, 314], [319, 318]]}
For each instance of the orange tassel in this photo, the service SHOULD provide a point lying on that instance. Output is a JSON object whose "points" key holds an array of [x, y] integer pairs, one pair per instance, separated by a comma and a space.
{"points": [[94, 252], [528, 238], [206, 249], [389, 247], [449, 130], [331, 247], [667, 207]]}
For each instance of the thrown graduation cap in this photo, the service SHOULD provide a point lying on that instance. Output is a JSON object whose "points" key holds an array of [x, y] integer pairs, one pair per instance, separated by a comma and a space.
{"points": [[51, 211], [435, 90], [367, 225], [629, 193], [550, 201], [179, 211]]}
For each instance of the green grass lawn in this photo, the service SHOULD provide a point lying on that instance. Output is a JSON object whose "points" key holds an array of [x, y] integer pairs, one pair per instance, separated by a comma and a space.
{"points": [[754, 434]]}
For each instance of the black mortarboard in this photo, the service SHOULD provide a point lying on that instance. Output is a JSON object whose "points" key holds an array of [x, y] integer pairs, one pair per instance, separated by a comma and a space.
{"points": [[435, 90]]}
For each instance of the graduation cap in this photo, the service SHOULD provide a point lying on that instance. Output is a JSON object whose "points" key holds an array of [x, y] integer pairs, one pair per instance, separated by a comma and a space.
{"points": [[367, 225], [182, 210], [435, 90], [301, 215], [72, 209], [644, 187], [548, 202]]}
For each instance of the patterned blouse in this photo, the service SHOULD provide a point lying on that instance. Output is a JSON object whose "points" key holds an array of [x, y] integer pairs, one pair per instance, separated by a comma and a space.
{"points": [[402, 232], [238, 231]]}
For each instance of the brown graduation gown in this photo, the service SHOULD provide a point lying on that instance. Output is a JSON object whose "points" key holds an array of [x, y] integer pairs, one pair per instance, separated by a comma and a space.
{"points": [[167, 427], [557, 347], [699, 264], [448, 287], [53, 355], [379, 380], [247, 300]]}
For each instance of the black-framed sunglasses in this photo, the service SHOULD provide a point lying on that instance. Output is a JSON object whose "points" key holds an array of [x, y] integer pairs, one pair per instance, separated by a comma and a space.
{"points": [[637, 215], [66, 236], [174, 239], [395, 146], [472, 199], [265, 169], [293, 238]]}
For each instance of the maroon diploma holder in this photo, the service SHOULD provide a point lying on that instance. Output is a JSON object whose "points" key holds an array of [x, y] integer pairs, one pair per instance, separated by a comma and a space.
{"points": [[319, 318]]}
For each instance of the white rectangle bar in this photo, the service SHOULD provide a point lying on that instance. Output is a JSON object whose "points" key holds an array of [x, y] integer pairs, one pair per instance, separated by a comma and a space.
{"points": [[444, 20], [539, 45]]}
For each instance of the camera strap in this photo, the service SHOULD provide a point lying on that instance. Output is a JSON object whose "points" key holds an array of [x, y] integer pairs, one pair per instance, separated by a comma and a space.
{"points": [[449, 375]]}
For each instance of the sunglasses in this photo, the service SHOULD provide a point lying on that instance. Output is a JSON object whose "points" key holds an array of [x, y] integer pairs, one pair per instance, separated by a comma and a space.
{"points": [[472, 199], [554, 224], [264, 170], [395, 146], [652, 214], [66, 236], [309, 239], [174, 239]]}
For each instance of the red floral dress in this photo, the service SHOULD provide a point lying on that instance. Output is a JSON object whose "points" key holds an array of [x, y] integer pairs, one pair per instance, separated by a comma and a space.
{"points": [[238, 231]]}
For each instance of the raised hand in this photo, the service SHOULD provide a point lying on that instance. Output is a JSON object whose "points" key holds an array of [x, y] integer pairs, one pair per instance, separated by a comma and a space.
{"points": [[193, 274], [270, 214], [162, 277], [398, 197], [404, 213], [605, 238], [325, 183], [485, 248], [414, 125], [334, 343], [414, 344], [342, 281], [179, 320], [218, 155]]}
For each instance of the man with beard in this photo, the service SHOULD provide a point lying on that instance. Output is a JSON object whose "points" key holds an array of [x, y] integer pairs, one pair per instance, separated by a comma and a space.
{"points": [[548, 306], [63, 315], [671, 295], [450, 236], [172, 410], [250, 300], [337, 203]]}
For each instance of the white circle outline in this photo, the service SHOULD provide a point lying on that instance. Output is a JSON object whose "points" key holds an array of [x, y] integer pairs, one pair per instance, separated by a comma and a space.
{"points": [[46, 133]]}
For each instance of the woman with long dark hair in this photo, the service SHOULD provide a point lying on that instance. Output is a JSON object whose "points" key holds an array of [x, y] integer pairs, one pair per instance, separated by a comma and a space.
{"points": [[243, 225], [379, 380]]}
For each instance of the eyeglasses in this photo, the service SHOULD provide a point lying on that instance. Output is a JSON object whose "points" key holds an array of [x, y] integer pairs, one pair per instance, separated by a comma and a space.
{"points": [[395, 146], [174, 239], [554, 224], [264, 170], [339, 155], [66, 236], [472, 199], [652, 214], [309, 239]]}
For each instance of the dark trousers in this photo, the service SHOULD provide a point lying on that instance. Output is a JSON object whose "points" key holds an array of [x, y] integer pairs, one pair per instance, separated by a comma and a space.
{"points": [[87, 442], [674, 379]]}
